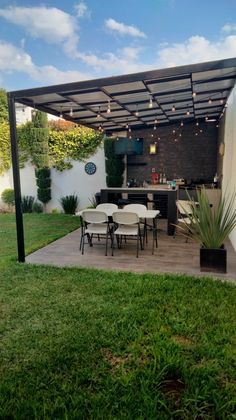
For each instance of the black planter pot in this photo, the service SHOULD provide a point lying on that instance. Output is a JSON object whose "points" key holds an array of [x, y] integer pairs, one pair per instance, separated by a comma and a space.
{"points": [[214, 260]]}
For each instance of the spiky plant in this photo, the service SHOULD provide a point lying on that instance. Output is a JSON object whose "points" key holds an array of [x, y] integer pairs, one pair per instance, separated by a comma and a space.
{"points": [[210, 227]]}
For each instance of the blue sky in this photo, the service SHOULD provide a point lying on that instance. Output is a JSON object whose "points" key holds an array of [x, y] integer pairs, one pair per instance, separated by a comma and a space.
{"points": [[43, 43]]}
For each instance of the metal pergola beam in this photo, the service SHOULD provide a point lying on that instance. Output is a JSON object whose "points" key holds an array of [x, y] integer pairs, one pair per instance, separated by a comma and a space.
{"points": [[16, 180]]}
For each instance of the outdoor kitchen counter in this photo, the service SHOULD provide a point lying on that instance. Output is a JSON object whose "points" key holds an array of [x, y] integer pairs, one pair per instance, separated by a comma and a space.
{"points": [[151, 192]]}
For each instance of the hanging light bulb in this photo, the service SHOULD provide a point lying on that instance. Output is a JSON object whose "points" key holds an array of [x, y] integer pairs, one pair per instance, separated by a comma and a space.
{"points": [[194, 94], [130, 137], [173, 109], [98, 114], [200, 130], [197, 123], [61, 115], [209, 101], [173, 131], [181, 124], [129, 129], [136, 112], [155, 122], [206, 118], [152, 135], [127, 125], [196, 134], [155, 127], [221, 101], [180, 135], [150, 102], [188, 112], [217, 125], [158, 138], [108, 107], [71, 112]]}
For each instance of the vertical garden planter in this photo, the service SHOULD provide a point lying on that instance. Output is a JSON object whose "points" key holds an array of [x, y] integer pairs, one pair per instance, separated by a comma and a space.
{"points": [[213, 260]]}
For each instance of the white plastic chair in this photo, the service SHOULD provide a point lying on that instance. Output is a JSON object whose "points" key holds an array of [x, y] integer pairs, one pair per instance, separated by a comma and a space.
{"points": [[184, 209], [107, 206], [95, 223], [136, 208], [128, 225]]}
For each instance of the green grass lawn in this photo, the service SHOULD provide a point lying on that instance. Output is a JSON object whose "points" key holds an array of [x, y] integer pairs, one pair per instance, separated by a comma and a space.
{"points": [[88, 344]]}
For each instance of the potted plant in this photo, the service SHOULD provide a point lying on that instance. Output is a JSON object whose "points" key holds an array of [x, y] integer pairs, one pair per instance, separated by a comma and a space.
{"points": [[210, 227]]}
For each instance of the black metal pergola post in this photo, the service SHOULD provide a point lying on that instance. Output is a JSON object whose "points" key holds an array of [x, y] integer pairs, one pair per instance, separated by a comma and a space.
{"points": [[16, 179]]}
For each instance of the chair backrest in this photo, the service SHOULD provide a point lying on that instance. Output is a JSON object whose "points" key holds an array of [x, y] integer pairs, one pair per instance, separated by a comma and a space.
{"points": [[135, 207], [184, 207], [125, 218], [107, 206], [94, 216]]}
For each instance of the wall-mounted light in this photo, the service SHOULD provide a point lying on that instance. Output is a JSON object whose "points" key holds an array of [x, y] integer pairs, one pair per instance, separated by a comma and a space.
{"points": [[153, 149]]}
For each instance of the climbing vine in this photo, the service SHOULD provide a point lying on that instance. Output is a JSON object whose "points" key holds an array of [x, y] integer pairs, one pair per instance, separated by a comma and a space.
{"points": [[5, 149], [74, 143]]}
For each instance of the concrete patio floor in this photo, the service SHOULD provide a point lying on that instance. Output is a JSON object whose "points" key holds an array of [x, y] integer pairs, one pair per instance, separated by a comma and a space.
{"points": [[173, 255]]}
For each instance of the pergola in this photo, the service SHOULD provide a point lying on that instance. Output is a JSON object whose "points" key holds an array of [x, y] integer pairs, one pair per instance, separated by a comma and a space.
{"points": [[133, 101]]}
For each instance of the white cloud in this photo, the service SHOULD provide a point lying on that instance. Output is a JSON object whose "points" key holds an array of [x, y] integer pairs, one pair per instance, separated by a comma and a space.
{"points": [[82, 10], [229, 27], [196, 49], [123, 29], [48, 23], [13, 59]]}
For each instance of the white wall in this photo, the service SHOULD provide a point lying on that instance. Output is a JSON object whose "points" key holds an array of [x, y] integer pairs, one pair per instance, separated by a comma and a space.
{"points": [[229, 162], [73, 181]]}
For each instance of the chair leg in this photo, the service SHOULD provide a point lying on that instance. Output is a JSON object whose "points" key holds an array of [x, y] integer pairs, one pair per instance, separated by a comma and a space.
{"points": [[137, 244], [106, 241], [82, 245]]}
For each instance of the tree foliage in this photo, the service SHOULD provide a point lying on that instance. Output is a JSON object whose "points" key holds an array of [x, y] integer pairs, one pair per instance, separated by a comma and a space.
{"points": [[3, 106]]}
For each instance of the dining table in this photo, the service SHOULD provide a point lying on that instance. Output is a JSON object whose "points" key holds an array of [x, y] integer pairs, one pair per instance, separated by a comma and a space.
{"points": [[143, 214]]}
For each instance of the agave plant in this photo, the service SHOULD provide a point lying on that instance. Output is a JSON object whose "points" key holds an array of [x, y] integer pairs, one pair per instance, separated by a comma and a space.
{"points": [[69, 203], [210, 227]]}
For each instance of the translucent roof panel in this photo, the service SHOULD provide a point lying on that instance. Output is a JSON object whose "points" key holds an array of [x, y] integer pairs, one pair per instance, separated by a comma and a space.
{"points": [[153, 93]]}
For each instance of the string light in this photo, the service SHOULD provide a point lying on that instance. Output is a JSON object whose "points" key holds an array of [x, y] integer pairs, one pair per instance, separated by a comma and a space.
{"points": [[197, 123], [181, 124], [108, 107], [155, 122], [173, 131], [150, 102], [98, 114], [136, 112], [173, 109], [71, 112], [188, 112], [155, 127], [209, 101], [206, 118], [180, 135], [61, 115], [194, 94]]}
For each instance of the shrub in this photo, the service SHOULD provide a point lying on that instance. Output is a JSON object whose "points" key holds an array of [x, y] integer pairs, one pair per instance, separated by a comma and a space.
{"points": [[69, 203], [37, 207], [114, 181], [27, 203], [114, 164], [43, 182], [8, 197]]}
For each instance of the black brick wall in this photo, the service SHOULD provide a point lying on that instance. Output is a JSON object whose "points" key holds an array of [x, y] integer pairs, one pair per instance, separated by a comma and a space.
{"points": [[190, 157]]}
